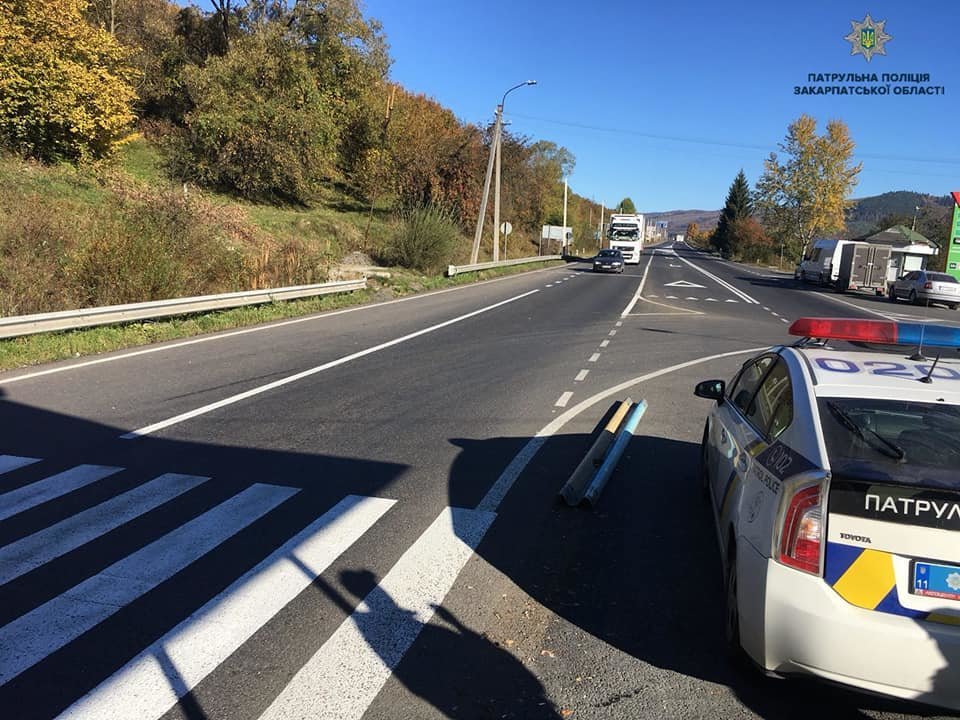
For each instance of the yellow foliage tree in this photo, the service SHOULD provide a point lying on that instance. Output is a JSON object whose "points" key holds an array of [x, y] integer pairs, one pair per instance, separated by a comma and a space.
{"points": [[66, 88]]}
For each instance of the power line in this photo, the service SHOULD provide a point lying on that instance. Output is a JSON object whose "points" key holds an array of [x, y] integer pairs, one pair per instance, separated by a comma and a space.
{"points": [[721, 143]]}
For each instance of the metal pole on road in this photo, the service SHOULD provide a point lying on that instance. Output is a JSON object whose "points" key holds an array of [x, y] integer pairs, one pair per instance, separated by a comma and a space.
{"points": [[496, 189]]}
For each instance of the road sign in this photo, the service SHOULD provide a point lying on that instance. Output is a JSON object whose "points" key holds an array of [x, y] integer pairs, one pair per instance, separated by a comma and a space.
{"points": [[953, 250], [683, 283], [506, 228]]}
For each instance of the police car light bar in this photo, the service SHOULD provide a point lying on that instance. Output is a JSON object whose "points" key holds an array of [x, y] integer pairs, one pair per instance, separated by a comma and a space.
{"points": [[877, 331]]}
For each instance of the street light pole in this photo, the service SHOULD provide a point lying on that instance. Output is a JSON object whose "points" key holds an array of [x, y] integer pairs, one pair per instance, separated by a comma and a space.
{"points": [[494, 155]]}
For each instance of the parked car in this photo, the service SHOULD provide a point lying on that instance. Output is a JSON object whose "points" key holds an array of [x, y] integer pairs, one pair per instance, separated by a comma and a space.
{"points": [[833, 475], [821, 264], [923, 286]]}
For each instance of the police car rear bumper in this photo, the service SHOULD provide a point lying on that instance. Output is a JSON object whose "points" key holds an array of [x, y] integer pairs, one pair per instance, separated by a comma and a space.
{"points": [[794, 623]]}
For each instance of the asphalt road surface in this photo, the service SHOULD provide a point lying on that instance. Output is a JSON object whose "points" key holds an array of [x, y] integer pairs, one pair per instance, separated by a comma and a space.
{"points": [[354, 515]]}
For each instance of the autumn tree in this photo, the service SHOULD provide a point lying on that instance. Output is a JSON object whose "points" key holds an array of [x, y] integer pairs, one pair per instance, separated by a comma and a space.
{"points": [[806, 193], [65, 86], [738, 206], [259, 126]]}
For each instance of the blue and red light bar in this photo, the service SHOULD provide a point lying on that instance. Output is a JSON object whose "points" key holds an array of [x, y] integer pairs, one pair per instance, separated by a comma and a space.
{"points": [[884, 332]]}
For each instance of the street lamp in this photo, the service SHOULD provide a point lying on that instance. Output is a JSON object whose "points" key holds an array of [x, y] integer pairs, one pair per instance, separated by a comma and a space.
{"points": [[494, 157]]}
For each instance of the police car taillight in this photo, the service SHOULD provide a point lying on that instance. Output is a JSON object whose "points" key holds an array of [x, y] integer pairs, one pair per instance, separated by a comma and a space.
{"points": [[801, 531], [885, 332]]}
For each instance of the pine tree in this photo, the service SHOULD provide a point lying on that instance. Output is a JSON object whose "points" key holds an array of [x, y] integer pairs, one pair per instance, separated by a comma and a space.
{"points": [[739, 206]]}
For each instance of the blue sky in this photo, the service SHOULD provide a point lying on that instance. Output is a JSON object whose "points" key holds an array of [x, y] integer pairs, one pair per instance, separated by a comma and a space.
{"points": [[627, 85]]}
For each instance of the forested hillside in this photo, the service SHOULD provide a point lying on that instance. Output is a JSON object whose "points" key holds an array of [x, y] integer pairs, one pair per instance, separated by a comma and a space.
{"points": [[255, 144]]}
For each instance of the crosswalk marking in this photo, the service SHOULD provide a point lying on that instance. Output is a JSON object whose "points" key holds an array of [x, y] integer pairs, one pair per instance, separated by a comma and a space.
{"points": [[12, 462], [141, 689], [47, 628], [344, 676], [53, 541], [28, 496]]}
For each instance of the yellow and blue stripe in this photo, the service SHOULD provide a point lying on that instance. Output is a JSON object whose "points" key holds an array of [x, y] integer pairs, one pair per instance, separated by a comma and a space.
{"points": [[864, 577]]}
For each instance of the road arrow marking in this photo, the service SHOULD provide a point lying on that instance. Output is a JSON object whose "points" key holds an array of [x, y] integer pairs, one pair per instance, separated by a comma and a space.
{"points": [[683, 283]]}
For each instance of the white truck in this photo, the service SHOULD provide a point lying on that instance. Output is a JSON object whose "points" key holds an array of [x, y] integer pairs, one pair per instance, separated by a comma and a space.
{"points": [[625, 233]]}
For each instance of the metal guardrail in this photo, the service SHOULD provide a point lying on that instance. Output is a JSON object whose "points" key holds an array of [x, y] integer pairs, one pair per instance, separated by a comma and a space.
{"points": [[457, 269], [88, 317]]}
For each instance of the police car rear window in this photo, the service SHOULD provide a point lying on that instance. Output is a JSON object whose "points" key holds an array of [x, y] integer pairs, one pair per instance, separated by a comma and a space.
{"points": [[893, 440]]}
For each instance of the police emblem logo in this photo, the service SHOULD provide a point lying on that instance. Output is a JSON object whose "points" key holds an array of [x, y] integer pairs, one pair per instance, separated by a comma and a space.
{"points": [[868, 37]]}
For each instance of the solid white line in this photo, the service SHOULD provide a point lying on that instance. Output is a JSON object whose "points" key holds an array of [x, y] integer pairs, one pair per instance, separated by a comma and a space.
{"points": [[563, 399], [604, 343], [12, 462], [739, 293], [581, 376], [636, 296], [344, 676], [854, 306], [55, 540], [313, 371], [28, 496], [141, 689], [61, 620], [258, 328], [594, 357], [508, 477]]}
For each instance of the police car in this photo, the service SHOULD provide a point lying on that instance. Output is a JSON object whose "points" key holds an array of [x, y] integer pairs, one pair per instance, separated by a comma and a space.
{"points": [[834, 477]]}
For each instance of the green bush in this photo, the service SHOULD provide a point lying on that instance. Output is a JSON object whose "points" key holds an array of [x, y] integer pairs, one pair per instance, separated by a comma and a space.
{"points": [[260, 127], [425, 239]]}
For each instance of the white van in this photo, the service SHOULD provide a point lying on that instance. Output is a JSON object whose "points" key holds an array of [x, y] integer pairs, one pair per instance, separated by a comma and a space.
{"points": [[821, 264]]}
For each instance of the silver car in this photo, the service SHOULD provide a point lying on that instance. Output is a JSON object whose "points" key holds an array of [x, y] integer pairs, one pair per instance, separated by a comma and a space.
{"points": [[922, 286]]}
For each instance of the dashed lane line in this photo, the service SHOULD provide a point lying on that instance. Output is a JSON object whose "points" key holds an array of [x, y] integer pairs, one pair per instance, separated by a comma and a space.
{"points": [[594, 357], [604, 343], [563, 399], [581, 376]]}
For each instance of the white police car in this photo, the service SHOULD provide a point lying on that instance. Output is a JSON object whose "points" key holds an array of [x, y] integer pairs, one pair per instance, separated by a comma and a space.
{"points": [[834, 476]]}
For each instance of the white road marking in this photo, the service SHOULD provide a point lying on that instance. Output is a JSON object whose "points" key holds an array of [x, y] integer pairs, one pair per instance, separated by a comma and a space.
{"points": [[671, 297], [652, 295], [66, 617], [711, 300], [766, 308], [348, 671], [739, 293], [784, 320], [594, 357], [829, 296], [581, 376], [684, 284], [774, 314], [141, 689], [550, 285], [604, 343], [612, 333], [733, 301], [508, 477], [12, 462], [691, 298], [55, 540], [619, 323], [37, 493], [313, 371], [636, 296], [563, 399]]}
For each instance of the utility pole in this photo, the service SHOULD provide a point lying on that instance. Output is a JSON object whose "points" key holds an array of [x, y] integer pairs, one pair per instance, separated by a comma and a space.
{"points": [[496, 191], [486, 187], [494, 155]]}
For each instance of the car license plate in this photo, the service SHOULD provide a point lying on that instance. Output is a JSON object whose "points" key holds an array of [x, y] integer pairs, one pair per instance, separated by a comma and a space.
{"points": [[935, 580]]}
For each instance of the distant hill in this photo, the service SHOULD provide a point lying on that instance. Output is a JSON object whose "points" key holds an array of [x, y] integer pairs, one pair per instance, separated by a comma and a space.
{"points": [[867, 212], [679, 219], [862, 218]]}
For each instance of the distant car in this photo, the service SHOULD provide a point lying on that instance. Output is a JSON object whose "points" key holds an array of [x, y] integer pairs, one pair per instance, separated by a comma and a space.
{"points": [[834, 480], [608, 260], [922, 286]]}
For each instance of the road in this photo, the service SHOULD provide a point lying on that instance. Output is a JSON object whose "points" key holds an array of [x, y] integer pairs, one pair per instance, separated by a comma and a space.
{"points": [[354, 515]]}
